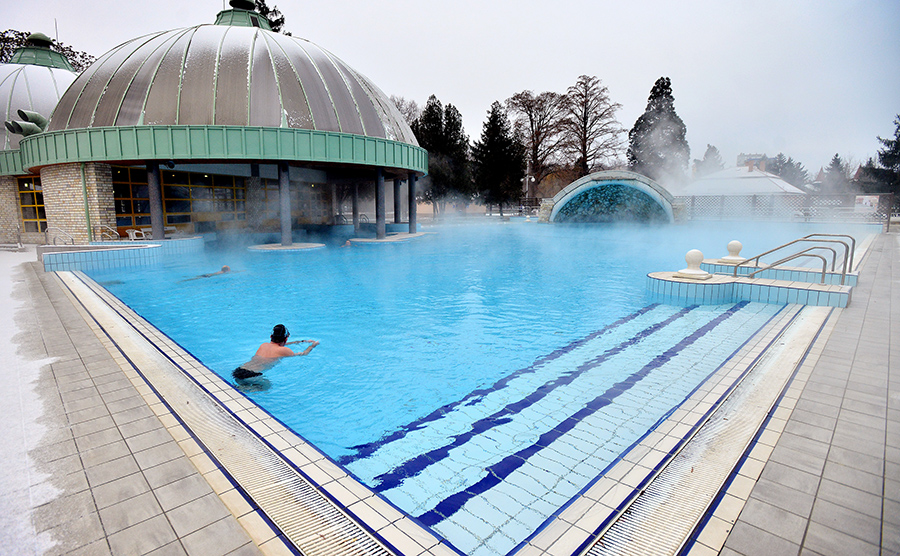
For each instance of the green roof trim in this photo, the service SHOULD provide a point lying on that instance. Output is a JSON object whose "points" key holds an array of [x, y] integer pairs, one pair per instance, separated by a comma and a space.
{"points": [[40, 56], [11, 163], [209, 142], [242, 18]]}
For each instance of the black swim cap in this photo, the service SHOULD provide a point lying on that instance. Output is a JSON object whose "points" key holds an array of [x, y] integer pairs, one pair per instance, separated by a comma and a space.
{"points": [[280, 333]]}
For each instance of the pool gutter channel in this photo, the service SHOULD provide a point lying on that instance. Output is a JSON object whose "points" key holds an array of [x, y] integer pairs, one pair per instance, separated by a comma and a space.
{"points": [[309, 500], [665, 510]]}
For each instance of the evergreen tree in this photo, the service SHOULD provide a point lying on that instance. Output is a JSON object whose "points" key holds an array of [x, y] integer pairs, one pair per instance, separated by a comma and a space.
{"points": [[499, 160], [273, 14], [788, 169], [835, 177], [658, 146], [884, 177], [711, 163], [439, 131]]}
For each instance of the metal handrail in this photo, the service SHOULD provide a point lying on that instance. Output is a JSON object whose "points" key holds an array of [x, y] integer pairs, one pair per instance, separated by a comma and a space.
{"points": [[803, 239], [852, 243], [108, 232], [792, 257], [59, 232]]}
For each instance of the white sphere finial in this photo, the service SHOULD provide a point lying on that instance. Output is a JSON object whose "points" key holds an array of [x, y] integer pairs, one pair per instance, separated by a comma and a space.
{"points": [[734, 253], [693, 258]]}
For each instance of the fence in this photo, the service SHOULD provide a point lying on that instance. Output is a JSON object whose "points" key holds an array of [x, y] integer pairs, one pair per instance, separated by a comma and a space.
{"points": [[783, 207]]}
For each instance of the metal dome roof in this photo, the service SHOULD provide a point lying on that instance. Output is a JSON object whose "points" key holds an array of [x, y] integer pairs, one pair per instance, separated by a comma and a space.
{"points": [[232, 76], [29, 85]]}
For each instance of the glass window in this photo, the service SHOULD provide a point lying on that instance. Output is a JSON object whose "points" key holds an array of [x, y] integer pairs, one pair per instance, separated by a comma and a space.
{"points": [[178, 219], [176, 192], [31, 204], [201, 192], [177, 206], [203, 206], [121, 190], [175, 178], [201, 179], [123, 206]]}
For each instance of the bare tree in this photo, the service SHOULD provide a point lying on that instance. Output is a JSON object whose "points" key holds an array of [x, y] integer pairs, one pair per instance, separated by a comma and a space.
{"points": [[409, 108], [591, 133], [539, 121]]}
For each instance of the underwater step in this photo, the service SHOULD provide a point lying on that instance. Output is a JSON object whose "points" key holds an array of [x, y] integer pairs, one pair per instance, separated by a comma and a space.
{"points": [[511, 473]]}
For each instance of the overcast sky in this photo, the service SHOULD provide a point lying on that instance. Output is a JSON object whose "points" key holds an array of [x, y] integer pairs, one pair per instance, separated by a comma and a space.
{"points": [[802, 77]]}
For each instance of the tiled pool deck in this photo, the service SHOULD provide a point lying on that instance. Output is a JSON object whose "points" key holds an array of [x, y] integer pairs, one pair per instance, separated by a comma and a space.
{"points": [[94, 464]]}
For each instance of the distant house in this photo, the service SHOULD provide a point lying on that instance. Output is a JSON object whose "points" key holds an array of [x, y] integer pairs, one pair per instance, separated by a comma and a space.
{"points": [[742, 180]]}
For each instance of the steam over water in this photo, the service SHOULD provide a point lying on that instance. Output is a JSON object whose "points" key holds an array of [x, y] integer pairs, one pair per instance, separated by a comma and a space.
{"points": [[406, 328]]}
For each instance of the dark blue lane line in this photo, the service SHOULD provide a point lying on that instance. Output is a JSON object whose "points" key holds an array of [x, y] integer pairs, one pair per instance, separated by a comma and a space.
{"points": [[416, 465], [365, 450], [503, 469]]}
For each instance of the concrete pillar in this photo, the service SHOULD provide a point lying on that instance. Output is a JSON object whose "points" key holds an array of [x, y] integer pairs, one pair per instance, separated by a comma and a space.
{"points": [[284, 195], [380, 232], [411, 191], [255, 207], [398, 206], [154, 192], [356, 207]]}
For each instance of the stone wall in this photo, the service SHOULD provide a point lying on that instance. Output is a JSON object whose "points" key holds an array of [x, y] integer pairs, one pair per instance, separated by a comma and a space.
{"points": [[9, 209], [64, 200]]}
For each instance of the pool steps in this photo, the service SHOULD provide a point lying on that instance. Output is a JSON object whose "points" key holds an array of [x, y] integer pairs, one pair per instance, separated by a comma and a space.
{"points": [[566, 435], [778, 285]]}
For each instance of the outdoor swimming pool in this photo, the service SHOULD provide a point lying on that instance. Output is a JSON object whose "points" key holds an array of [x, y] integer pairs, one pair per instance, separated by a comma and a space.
{"points": [[478, 377]]}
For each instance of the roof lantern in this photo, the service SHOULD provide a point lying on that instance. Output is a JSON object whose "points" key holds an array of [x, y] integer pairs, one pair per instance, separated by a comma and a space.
{"points": [[243, 14], [37, 52], [31, 84]]}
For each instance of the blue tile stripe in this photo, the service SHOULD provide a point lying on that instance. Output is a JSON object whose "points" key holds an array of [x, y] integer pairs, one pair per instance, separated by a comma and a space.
{"points": [[365, 450], [498, 472], [416, 465]]}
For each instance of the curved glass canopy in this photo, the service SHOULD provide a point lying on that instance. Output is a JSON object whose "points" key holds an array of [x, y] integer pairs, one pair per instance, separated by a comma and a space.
{"points": [[227, 75]]}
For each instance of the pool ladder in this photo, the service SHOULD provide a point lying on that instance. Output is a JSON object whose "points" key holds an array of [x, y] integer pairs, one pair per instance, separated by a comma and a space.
{"points": [[848, 255]]}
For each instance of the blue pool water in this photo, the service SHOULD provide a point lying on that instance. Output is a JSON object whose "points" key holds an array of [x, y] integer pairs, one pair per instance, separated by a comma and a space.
{"points": [[478, 377]]}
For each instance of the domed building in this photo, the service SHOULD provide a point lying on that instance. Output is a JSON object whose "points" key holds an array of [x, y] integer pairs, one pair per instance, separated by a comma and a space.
{"points": [[217, 128], [31, 84]]}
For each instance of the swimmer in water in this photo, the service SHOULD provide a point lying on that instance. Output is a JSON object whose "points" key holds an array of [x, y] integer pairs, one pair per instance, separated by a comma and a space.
{"points": [[225, 270], [270, 353]]}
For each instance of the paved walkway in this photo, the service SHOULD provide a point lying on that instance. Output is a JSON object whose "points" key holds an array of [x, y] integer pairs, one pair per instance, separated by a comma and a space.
{"points": [[832, 483], [87, 467]]}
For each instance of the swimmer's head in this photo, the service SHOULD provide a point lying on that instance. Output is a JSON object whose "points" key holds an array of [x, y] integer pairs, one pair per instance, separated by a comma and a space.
{"points": [[226, 268], [280, 334]]}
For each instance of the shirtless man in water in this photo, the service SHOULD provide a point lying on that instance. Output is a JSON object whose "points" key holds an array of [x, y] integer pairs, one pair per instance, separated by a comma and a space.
{"points": [[270, 353]]}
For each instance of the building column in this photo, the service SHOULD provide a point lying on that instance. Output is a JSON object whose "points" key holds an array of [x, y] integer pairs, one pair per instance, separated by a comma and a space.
{"points": [[284, 196], [398, 206], [411, 191], [255, 206], [355, 207], [64, 185], [154, 192], [379, 205], [10, 210]]}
